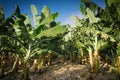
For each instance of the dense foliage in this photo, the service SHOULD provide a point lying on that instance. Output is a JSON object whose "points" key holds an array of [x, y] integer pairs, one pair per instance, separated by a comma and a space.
{"points": [[95, 37]]}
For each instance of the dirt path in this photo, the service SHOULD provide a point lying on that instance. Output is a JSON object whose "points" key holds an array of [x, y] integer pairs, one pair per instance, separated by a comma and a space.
{"points": [[71, 71], [66, 71]]}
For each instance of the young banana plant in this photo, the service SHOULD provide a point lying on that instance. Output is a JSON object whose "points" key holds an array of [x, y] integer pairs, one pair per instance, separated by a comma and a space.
{"points": [[89, 29], [28, 37], [96, 58]]}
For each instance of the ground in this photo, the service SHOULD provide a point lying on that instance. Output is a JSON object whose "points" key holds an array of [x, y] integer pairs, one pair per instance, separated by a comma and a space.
{"points": [[67, 70]]}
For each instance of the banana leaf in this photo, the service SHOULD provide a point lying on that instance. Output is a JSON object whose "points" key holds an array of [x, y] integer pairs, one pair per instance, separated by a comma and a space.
{"points": [[41, 26], [35, 13], [53, 32], [45, 12], [90, 15]]}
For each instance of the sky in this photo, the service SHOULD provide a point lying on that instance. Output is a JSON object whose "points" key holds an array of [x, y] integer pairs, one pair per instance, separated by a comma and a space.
{"points": [[65, 8]]}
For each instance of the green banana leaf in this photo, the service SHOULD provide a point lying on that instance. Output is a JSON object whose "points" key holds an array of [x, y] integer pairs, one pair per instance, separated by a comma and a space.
{"points": [[110, 2], [45, 11], [49, 19], [35, 13], [82, 9], [41, 26], [118, 49], [52, 31], [105, 29], [90, 15], [76, 21]]}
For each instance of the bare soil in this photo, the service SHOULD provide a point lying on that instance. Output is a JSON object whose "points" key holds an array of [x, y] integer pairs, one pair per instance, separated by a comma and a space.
{"points": [[66, 70]]}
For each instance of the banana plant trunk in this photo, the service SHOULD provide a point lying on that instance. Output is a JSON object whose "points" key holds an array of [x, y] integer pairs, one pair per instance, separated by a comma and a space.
{"points": [[96, 59], [26, 71], [26, 64], [118, 65], [90, 59], [82, 56], [96, 62]]}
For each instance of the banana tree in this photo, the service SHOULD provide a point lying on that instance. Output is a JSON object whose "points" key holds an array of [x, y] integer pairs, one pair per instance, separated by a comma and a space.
{"points": [[28, 37], [109, 21], [7, 42], [91, 35]]}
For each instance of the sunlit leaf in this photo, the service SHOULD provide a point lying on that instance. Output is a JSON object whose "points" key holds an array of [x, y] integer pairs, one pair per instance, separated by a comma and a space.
{"points": [[41, 26], [118, 49], [27, 20], [53, 31], [45, 11], [35, 13], [90, 15], [79, 44], [76, 20], [101, 45], [107, 29], [49, 19]]}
